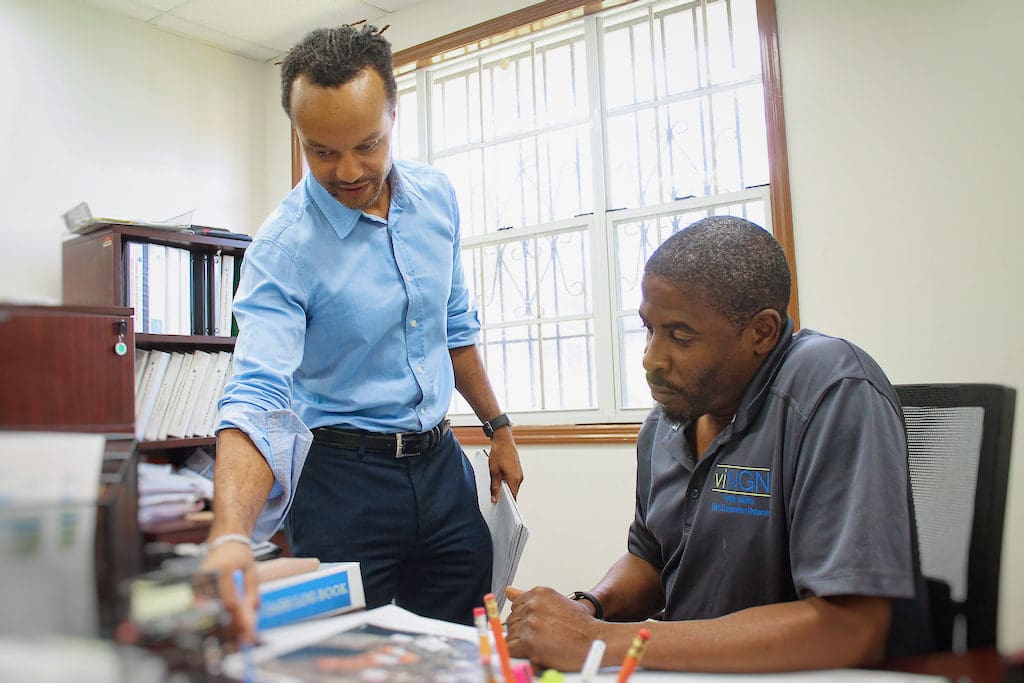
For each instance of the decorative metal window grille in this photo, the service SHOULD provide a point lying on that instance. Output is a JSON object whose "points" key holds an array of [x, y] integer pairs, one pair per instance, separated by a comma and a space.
{"points": [[574, 152]]}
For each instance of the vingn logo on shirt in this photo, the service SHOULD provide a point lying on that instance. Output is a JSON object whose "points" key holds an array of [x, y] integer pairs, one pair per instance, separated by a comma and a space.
{"points": [[742, 490]]}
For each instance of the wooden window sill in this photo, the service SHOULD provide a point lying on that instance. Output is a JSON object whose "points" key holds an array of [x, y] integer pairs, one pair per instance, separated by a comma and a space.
{"points": [[556, 435]]}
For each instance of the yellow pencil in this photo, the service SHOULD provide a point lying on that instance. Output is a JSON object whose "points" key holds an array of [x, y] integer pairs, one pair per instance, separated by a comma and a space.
{"points": [[480, 619], [499, 638]]}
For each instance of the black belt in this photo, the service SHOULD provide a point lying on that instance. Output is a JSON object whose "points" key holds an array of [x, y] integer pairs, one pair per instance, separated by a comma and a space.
{"points": [[401, 445]]}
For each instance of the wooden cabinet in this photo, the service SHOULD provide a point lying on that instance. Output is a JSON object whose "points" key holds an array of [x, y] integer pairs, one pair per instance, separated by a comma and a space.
{"points": [[67, 368]]}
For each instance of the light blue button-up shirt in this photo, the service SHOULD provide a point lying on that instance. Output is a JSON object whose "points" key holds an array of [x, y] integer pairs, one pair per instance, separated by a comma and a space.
{"points": [[345, 319]]}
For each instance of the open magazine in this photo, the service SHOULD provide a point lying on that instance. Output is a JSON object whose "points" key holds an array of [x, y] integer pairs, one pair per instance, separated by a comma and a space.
{"points": [[508, 531], [383, 644]]}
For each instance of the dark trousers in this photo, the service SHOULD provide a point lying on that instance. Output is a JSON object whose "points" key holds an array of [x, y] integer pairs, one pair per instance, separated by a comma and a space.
{"points": [[413, 524]]}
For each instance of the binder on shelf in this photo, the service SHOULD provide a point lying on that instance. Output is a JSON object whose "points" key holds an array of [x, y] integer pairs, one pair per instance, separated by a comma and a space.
{"points": [[209, 394], [334, 588], [151, 427], [186, 399], [200, 292], [156, 281], [227, 293], [213, 295], [149, 389], [134, 283], [141, 356]]}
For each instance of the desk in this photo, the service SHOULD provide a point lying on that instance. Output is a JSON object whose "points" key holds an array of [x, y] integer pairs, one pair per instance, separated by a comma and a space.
{"points": [[978, 666]]}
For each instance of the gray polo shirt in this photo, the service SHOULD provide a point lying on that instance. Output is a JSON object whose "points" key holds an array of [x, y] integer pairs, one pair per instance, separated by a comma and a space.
{"points": [[805, 493]]}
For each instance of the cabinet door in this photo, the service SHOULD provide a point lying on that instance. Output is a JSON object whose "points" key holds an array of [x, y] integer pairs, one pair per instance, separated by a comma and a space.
{"points": [[59, 370]]}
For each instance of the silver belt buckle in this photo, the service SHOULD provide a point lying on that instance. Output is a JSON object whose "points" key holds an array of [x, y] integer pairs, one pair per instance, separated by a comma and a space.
{"points": [[398, 446]]}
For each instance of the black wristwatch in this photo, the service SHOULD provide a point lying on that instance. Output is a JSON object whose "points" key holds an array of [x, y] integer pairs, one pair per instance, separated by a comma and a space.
{"points": [[495, 423]]}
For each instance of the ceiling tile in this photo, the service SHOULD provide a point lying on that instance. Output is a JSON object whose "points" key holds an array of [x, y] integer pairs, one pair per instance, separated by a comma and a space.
{"points": [[276, 24], [163, 5], [205, 34], [392, 5], [129, 8]]}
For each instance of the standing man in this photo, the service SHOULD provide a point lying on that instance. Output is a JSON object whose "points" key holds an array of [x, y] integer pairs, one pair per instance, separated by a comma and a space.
{"points": [[354, 326], [773, 524]]}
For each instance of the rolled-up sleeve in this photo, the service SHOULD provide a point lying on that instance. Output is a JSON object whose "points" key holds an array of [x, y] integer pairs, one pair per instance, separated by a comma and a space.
{"points": [[463, 319], [270, 308]]}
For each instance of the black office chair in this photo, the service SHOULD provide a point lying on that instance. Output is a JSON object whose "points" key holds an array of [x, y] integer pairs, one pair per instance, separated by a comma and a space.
{"points": [[959, 437]]}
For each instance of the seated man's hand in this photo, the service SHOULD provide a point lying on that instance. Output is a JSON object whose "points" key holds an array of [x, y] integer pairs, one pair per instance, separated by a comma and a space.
{"points": [[226, 560], [549, 629]]}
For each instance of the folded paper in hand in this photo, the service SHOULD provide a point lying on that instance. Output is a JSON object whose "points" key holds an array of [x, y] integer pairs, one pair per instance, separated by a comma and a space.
{"points": [[508, 531]]}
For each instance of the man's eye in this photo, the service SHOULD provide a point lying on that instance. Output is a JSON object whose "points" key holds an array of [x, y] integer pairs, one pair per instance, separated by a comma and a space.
{"points": [[321, 153], [682, 341], [367, 148]]}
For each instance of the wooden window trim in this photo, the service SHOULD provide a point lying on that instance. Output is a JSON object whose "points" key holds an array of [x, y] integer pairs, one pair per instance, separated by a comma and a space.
{"points": [[554, 12], [557, 435]]}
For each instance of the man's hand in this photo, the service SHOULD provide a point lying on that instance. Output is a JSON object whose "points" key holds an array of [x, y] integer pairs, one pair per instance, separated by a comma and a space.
{"points": [[549, 629], [504, 463], [225, 560]]}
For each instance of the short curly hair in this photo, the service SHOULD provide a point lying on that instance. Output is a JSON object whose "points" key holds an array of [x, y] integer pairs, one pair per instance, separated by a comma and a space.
{"points": [[329, 57], [737, 266]]}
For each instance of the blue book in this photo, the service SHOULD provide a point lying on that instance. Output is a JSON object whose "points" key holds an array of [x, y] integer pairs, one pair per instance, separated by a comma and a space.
{"points": [[334, 588]]}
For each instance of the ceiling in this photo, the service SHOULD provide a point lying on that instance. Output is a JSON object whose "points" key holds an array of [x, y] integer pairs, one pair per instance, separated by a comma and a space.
{"points": [[257, 29]]}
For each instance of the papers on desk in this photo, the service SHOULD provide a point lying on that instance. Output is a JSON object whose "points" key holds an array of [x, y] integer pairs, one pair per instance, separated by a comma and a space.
{"points": [[829, 676], [388, 641], [508, 531]]}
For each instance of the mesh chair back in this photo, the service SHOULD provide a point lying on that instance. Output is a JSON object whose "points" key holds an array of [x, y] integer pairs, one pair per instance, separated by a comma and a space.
{"points": [[959, 439]]}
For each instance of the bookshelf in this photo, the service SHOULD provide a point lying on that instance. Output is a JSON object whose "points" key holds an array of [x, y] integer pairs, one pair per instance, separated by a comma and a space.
{"points": [[177, 287]]}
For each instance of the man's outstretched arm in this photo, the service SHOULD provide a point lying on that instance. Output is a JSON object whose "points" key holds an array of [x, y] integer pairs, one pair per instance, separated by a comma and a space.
{"points": [[553, 631], [242, 481]]}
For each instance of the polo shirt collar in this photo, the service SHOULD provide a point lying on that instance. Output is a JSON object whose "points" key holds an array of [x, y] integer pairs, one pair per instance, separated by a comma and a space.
{"points": [[757, 390], [342, 218]]}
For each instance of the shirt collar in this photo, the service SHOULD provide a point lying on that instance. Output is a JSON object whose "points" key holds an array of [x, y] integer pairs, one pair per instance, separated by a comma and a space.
{"points": [[754, 395], [342, 218]]}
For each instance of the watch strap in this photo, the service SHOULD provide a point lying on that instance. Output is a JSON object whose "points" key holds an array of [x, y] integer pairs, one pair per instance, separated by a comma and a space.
{"points": [[495, 423], [583, 595]]}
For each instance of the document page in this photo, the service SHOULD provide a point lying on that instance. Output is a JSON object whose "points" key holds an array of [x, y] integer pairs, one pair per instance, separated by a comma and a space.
{"points": [[508, 531]]}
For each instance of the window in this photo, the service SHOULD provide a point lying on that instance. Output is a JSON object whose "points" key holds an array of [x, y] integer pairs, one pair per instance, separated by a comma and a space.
{"points": [[575, 150]]}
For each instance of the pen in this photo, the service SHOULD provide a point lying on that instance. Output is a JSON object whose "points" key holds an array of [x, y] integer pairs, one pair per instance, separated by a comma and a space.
{"points": [[480, 619], [636, 651], [593, 662], [250, 668], [499, 638]]}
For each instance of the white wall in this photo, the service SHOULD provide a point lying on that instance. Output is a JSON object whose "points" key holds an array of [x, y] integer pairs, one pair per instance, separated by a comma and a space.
{"points": [[905, 146], [136, 121]]}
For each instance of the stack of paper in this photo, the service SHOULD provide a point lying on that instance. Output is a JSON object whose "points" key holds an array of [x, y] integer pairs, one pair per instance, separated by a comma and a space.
{"points": [[508, 531]]}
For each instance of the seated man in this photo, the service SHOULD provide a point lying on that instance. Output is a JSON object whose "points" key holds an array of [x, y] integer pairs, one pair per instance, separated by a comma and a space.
{"points": [[774, 524]]}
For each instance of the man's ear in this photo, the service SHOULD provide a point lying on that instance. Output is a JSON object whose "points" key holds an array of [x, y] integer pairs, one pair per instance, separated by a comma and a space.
{"points": [[764, 329]]}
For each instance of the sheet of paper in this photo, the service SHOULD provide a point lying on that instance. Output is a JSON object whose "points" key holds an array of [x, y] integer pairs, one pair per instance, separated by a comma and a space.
{"points": [[508, 531], [42, 468]]}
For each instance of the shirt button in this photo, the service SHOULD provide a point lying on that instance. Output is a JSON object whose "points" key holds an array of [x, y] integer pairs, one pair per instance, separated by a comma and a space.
{"points": [[413, 323], [695, 493]]}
